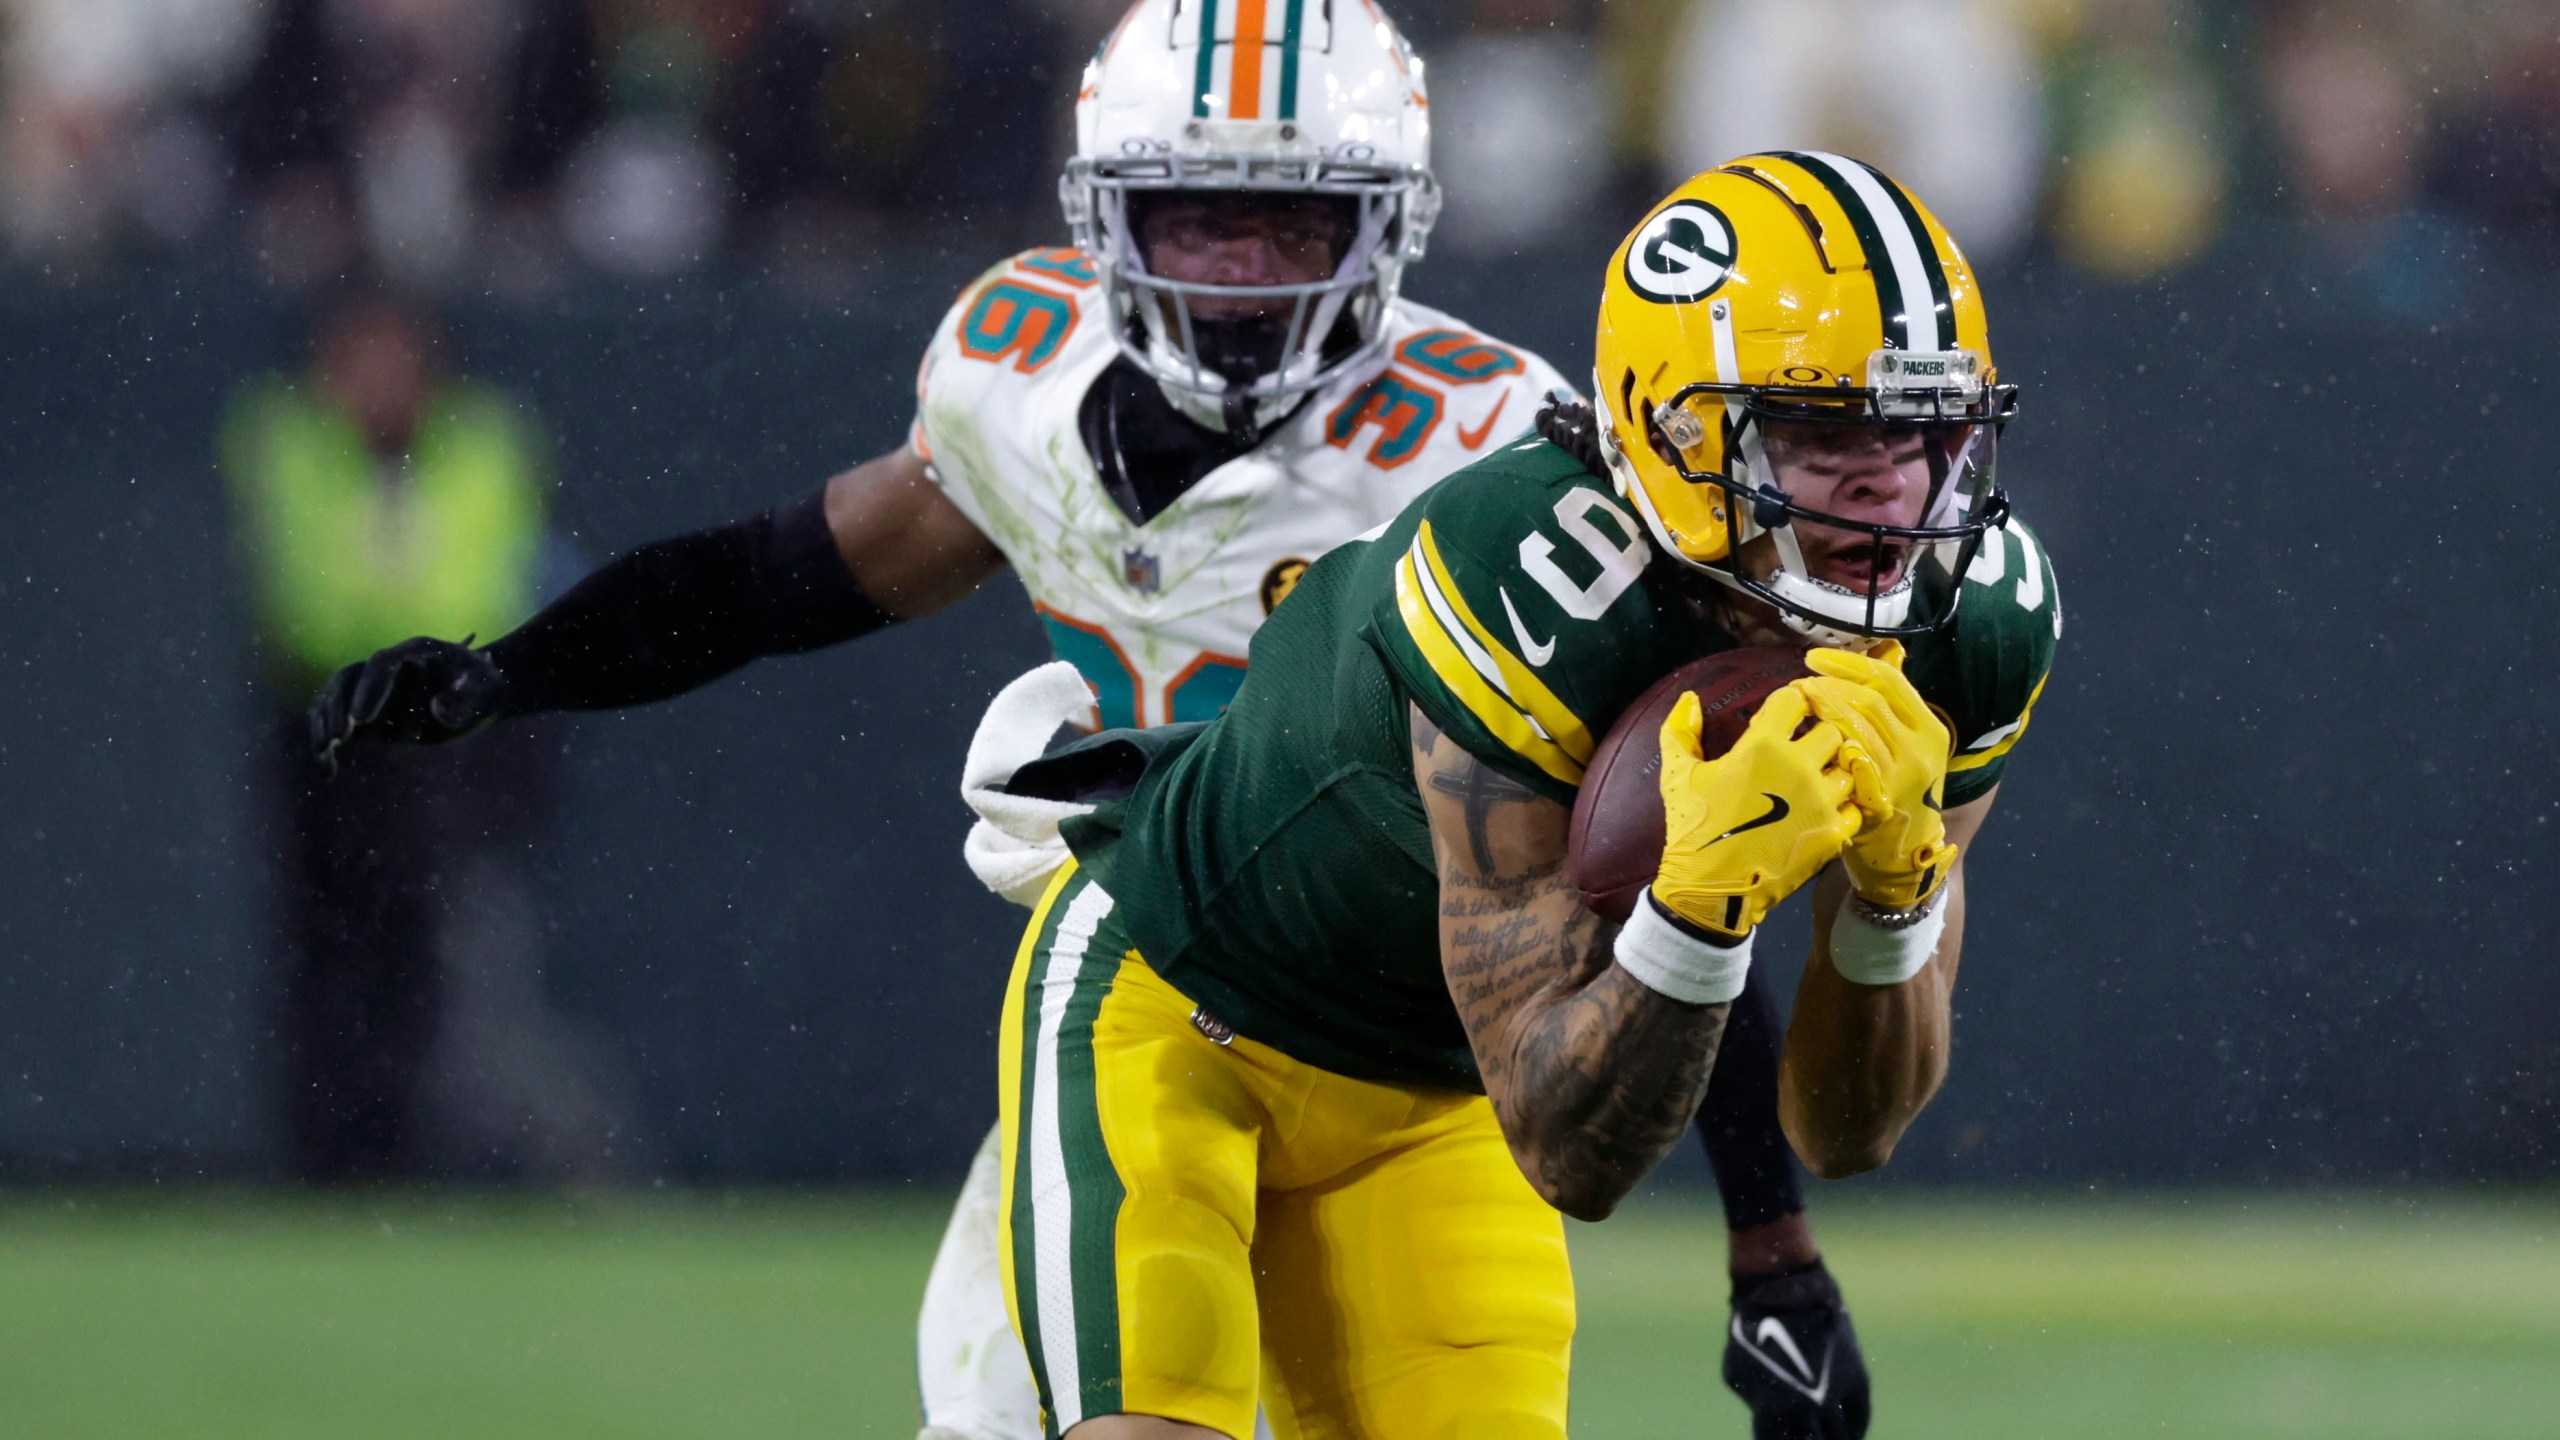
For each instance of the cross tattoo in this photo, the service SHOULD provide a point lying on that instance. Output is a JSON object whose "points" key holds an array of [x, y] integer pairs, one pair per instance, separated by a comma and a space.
{"points": [[1482, 788]]}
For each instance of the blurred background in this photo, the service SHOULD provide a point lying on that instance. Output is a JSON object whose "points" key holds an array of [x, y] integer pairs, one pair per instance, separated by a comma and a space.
{"points": [[2268, 910]]}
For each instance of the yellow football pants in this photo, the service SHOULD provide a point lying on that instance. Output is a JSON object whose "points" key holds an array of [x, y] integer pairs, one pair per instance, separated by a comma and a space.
{"points": [[1188, 1225]]}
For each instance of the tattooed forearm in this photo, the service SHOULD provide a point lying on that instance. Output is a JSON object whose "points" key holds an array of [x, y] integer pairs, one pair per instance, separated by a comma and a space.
{"points": [[1606, 1082], [1594, 1075]]}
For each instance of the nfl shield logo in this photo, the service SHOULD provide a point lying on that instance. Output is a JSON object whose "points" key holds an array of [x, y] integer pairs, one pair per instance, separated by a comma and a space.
{"points": [[1141, 571]]}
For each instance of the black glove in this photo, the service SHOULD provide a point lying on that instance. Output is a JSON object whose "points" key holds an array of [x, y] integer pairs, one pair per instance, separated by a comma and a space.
{"points": [[1793, 1357], [418, 692]]}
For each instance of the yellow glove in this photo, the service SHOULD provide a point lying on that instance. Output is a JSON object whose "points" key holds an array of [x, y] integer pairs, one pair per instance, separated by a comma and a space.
{"points": [[1895, 750], [1744, 830]]}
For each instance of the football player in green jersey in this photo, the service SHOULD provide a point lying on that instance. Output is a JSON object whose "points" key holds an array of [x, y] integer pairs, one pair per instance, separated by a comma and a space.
{"points": [[1306, 1051]]}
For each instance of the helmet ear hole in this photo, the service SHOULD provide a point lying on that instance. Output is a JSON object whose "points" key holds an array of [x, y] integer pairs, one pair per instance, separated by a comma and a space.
{"points": [[1663, 449], [1680, 427]]}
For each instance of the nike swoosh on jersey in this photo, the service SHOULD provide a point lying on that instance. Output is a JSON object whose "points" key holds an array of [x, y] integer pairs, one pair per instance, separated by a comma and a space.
{"points": [[1777, 812], [1812, 1387], [1535, 652], [1473, 438]]}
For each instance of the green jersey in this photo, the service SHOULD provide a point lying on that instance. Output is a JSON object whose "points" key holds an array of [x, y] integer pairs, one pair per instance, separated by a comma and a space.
{"points": [[1274, 864]]}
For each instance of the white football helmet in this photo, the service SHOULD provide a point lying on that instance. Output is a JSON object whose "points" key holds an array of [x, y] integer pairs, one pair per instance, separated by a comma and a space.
{"points": [[1290, 97]]}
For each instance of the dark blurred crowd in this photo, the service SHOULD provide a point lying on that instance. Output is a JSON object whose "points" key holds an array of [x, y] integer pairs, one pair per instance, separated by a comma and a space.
{"points": [[508, 145]]}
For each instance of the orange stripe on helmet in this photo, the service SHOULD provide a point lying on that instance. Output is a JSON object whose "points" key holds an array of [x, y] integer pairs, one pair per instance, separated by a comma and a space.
{"points": [[1244, 81]]}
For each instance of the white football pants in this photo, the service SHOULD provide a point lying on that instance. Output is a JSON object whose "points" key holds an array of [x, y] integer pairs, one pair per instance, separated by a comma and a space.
{"points": [[969, 1363]]}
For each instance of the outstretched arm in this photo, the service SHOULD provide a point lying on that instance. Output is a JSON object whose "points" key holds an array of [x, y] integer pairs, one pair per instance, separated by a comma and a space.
{"points": [[901, 538], [1862, 1060], [1595, 1075], [881, 544]]}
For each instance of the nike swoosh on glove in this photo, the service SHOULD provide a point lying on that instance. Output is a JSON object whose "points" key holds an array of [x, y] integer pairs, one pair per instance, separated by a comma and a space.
{"points": [[1792, 1355], [1744, 830]]}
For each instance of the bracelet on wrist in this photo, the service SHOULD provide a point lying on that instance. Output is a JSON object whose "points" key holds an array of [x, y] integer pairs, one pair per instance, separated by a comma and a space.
{"points": [[1888, 917]]}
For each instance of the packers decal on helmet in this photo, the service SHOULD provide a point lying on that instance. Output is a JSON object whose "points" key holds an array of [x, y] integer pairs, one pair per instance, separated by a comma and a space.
{"points": [[1682, 254]]}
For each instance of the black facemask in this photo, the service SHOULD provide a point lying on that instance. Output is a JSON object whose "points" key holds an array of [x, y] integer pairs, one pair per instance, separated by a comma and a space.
{"points": [[1241, 349]]}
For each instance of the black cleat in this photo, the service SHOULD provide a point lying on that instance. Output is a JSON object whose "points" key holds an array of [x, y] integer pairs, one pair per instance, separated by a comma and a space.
{"points": [[1792, 1355]]}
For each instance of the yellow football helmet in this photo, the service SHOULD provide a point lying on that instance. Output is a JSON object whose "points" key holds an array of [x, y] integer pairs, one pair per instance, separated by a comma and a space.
{"points": [[1798, 287]]}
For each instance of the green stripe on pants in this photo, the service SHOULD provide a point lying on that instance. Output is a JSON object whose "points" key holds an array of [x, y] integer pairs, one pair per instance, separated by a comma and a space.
{"points": [[1026, 1260], [1067, 1193]]}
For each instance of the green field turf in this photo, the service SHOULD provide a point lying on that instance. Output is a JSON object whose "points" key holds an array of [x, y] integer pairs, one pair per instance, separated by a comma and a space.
{"points": [[773, 1317]]}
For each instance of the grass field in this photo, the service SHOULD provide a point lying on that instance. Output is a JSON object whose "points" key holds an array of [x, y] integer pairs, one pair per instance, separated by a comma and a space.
{"points": [[773, 1316]]}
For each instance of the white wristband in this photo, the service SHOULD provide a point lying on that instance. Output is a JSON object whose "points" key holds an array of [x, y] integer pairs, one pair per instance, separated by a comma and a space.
{"points": [[1676, 963], [1866, 953]]}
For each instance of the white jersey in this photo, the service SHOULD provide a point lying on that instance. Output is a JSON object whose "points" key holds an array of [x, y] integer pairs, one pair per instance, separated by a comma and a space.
{"points": [[1157, 617]]}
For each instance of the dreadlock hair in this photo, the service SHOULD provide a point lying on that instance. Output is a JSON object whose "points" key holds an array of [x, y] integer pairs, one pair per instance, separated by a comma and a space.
{"points": [[1570, 426]]}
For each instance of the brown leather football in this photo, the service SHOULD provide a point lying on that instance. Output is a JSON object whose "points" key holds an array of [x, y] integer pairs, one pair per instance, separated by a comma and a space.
{"points": [[1615, 844]]}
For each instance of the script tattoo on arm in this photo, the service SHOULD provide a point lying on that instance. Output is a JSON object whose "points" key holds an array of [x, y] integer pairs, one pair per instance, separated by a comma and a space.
{"points": [[1594, 1075]]}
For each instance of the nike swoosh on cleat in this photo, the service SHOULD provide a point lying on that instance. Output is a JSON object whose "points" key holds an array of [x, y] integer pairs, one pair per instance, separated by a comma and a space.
{"points": [[1535, 652], [1473, 438], [1812, 1387], [1777, 812]]}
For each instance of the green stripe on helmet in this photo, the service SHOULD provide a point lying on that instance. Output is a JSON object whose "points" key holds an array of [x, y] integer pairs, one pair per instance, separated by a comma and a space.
{"points": [[1205, 75], [1862, 221], [1289, 60], [1929, 261]]}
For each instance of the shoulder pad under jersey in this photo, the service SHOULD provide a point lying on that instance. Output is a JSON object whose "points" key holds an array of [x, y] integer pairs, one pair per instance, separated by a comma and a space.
{"points": [[1014, 334], [1444, 395], [1987, 667], [1519, 620]]}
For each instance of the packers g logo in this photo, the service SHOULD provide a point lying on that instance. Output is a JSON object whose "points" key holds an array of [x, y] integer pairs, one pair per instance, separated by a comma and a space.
{"points": [[1279, 581], [1681, 254]]}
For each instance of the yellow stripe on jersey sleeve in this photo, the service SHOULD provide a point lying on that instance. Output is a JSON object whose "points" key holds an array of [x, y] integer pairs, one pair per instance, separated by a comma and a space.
{"points": [[1518, 680], [2002, 739], [1491, 709]]}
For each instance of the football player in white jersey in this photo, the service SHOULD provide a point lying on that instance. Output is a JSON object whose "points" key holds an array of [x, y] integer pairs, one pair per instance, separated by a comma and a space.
{"points": [[1156, 429]]}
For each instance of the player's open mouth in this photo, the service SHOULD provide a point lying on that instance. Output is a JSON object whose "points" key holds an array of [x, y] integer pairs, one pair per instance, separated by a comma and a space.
{"points": [[1863, 563]]}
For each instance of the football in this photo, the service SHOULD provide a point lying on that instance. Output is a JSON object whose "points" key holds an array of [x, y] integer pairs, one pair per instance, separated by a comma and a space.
{"points": [[1615, 843]]}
